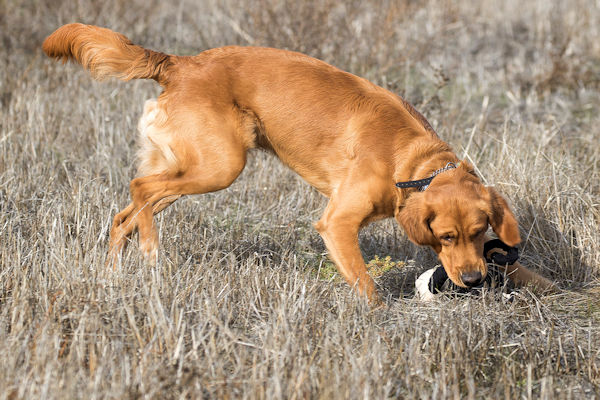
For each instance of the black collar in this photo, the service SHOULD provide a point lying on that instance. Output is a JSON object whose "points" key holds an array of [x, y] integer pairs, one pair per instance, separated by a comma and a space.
{"points": [[422, 184]]}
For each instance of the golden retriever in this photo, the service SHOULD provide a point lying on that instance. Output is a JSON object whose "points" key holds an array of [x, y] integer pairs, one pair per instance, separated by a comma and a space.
{"points": [[350, 139]]}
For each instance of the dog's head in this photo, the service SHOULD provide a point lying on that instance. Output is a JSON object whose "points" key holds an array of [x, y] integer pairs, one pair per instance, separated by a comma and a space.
{"points": [[452, 216]]}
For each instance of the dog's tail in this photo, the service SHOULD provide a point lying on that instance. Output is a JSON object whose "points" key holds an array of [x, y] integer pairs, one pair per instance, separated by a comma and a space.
{"points": [[106, 53]]}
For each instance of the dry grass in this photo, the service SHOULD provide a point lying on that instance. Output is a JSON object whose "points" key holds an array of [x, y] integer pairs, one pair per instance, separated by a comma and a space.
{"points": [[242, 303]]}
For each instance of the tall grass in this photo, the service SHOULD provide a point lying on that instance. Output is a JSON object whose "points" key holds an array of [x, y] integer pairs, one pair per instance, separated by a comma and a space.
{"points": [[239, 305]]}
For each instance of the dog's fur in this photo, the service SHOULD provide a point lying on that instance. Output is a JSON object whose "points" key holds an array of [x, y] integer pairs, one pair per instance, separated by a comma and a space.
{"points": [[347, 137]]}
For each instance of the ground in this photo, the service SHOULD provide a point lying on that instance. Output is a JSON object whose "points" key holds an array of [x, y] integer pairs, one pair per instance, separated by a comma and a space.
{"points": [[244, 302]]}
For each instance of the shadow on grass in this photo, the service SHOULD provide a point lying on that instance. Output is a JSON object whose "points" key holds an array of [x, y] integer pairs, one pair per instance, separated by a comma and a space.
{"points": [[391, 259], [553, 251]]}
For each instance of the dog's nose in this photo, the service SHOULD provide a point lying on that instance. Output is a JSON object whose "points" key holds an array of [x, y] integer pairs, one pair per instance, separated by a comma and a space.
{"points": [[471, 278]]}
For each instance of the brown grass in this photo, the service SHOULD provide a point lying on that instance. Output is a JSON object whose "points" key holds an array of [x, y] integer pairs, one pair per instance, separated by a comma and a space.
{"points": [[242, 303]]}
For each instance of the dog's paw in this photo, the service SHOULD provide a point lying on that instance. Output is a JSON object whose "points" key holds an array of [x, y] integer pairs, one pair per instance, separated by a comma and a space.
{"points": [[117, 244], [149, 250]]}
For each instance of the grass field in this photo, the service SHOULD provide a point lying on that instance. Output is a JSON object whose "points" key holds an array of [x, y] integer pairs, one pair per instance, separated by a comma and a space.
{"points": [[244, 302]]}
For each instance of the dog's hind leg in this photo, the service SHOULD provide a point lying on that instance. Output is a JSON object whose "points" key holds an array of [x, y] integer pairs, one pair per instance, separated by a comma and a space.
{"points": [[164, 203], [117, 248], [151, 194], [214, 159]]}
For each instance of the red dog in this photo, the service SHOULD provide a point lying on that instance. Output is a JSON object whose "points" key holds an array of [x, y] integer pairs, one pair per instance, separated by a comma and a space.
{"points": [[347, 137]]}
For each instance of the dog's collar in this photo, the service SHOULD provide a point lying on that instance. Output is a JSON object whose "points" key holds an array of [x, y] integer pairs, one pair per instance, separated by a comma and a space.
{"points": [[423, 184]]}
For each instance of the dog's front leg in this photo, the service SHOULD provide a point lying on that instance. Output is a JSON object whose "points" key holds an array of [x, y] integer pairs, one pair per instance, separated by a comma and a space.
{"points": [[339, 229], [523, 277]]}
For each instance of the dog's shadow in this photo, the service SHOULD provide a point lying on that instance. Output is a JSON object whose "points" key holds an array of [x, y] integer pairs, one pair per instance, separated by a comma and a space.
{"points": [[544, 249], [552, 251], [386, 239]]}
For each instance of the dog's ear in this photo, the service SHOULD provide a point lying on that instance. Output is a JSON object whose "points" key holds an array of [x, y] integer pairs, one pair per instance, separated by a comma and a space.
{"points": [[414, 218], [502, 220]]}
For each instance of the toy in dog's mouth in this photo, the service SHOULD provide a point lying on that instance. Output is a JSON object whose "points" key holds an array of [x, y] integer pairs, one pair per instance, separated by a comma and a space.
{"points": [[496, 253]]}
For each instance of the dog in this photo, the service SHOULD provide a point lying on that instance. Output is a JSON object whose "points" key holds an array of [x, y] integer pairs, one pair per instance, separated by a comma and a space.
{"points": [[358, 144]]}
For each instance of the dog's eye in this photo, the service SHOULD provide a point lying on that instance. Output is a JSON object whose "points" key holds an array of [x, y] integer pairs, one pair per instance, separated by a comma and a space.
{"points": [[479, 233], [446, 239]]}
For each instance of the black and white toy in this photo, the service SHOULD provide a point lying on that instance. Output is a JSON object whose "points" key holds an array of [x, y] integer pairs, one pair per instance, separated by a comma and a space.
{"points": [[435, 280]]}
